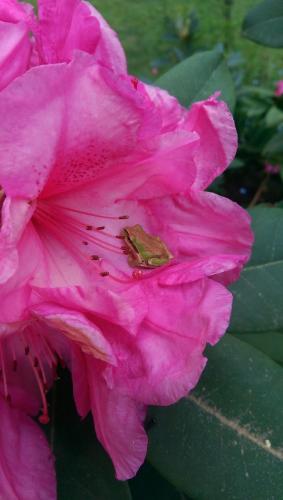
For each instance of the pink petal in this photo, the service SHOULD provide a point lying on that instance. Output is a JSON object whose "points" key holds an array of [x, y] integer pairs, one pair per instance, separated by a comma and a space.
{"points": [[173, 114], [69, 25], [26, 465], [82, 139], [210, 234], [165, 361], [64, 26], [109, 51], [15, 11], [15, 215], [15, 48], [126, 304], [213, 122], [76, 328], [118, 424], [78, 369]]}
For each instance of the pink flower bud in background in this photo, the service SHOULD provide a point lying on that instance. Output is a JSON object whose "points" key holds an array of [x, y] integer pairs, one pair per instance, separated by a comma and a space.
{"points": [[279, 88], [271, 169]]}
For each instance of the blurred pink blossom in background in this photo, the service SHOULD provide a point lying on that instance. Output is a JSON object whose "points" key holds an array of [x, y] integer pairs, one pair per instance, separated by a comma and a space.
{"points": [[271, 169], [279, 88]]}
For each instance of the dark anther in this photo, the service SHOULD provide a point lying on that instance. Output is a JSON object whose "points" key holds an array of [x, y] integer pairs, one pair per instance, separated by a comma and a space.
{"points": [[100, 228], [94, 257], [85, 242], [89, 228], [124, 217], [104, 273], [120, 237], [15, 365]]}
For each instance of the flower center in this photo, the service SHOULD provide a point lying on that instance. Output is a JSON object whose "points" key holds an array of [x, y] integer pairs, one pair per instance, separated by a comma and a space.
{"points": [[90, 236]]}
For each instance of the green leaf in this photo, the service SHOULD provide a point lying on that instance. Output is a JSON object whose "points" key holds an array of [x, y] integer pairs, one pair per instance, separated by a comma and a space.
{"points": [[274, 117], [258, 294], [264, 23], [257, 311], [198, 77], [150, 485], [237, 163], [271, 343], [274, 147], [84, 471], [225, 440]]}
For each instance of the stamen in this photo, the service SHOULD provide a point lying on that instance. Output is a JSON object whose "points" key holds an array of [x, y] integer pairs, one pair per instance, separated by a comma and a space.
{"points": [[38, 364], [120, 280], [15, 362], [51, 359], [90, 214], [44, 417], [104, 273], [72, 226], [3, 370], [94, 257]]}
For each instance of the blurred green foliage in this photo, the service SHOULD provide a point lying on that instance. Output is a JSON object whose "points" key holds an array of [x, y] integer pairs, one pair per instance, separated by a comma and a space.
{"points": [[141, 26]]}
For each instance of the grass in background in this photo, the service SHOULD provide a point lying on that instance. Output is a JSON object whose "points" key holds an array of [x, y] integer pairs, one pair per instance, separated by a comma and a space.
{"points": [[141, 28]]}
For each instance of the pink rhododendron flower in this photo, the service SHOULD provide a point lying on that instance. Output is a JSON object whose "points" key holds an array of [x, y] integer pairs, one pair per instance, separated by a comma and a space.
{"points": [[279, 88], [112, 253], [62, 27]]}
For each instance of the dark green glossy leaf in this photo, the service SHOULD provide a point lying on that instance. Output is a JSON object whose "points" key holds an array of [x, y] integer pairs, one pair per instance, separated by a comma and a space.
{"points": [[84, 471], [258, 294], [150, 485], [274, 147], [237, 163], [198, 77], [264, 23], [257, 311], [271, 343], [274, 117], [225, 440]]}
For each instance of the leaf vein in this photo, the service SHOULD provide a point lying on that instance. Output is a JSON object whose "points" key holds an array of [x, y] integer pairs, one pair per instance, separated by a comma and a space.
{"points": [[241, 431]]}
